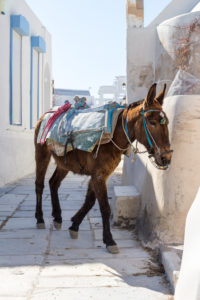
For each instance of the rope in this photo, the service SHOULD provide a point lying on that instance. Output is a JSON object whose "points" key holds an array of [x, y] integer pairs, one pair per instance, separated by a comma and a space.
{"points": [[121, 149], [97, 151]]}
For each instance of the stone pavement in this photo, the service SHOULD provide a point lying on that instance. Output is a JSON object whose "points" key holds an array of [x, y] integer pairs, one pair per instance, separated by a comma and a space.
{"points": [[46, 264]]}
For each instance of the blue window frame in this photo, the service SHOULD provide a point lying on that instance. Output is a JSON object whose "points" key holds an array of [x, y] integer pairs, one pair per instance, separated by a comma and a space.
{"points": [[19, 27], [38, 46]]}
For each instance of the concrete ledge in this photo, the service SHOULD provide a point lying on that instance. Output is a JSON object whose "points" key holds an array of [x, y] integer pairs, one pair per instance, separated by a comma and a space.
{"points": [[171, 261], [125, 204]]}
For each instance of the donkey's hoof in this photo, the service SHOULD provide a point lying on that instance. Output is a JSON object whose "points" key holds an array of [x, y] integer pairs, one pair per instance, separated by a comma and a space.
{"points": [[113, 249], [57, 225], [40, 225], [73, 234]]}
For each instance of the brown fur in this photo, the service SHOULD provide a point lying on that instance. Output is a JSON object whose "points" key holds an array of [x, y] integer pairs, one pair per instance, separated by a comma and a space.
{"points": [[100, 168]]}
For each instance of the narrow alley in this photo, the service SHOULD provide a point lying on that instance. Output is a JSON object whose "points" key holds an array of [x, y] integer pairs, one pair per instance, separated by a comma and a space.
{"points": [[47, 264]]}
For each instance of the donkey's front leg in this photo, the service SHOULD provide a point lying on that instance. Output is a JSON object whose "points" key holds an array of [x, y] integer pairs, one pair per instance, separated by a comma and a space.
{"points": [[99, 184]]}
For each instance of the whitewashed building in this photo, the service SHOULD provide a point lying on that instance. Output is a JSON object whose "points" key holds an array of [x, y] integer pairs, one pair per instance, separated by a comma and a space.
{"points": [[25, 85], [61, 95], [115, 92], [154, 54], [167, 51]]}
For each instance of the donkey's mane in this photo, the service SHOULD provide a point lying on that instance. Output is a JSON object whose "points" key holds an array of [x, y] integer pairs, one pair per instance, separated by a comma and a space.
{"points": [[135, 104]]}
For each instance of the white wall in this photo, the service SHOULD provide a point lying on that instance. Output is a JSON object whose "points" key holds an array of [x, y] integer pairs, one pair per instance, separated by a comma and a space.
{"points": [[165, 196], [16, 142], [174, 8]]}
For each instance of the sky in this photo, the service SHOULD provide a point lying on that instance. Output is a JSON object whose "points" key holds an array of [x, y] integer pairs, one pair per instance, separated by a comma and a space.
{"points": [[88, 39]]}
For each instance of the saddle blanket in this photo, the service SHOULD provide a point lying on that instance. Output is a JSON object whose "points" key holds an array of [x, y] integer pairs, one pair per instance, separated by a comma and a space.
{"points": [[86, 127]]}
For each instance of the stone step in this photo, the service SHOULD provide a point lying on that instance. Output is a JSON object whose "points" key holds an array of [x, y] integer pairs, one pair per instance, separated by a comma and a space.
{"points": [[125, 205], [171, 260]]}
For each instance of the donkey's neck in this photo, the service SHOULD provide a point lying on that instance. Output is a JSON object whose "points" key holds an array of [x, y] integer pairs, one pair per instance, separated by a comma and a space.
{"points": [[129, 118]]}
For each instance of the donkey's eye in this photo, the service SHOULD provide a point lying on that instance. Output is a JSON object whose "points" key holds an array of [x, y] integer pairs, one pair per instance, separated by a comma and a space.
{"points": [[152, 123]]}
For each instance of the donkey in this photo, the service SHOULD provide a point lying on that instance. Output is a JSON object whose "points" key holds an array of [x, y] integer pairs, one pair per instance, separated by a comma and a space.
{"points": [[144, 121]]}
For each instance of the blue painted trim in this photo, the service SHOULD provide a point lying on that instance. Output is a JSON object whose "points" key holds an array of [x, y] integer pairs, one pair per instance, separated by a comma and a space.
{"points": [[20, 24], [31, 90], [38, 95], [11, 51], [38, 43], [11, 81]]}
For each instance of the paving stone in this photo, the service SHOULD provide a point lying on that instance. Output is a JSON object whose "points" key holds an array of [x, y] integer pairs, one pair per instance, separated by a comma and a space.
{"points": [[23, 223], [5, 213], [20, 260], [120, 243], [68, 214], [62, 240], [47, 264], [23, 246], [98, 281], [32, 208], [24, 234], [98, 253], [95, 212], [71, 205], [5, 189], [10, 208], [24, 214], [13, 298], [96, 222], [117, 234], [11, 199], [17, 281], [106, 293], [85, 225], [95, 267]]}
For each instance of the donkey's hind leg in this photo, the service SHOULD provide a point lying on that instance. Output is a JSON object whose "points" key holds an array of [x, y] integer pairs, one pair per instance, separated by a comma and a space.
{"points": [[42, 158], [79, 216], [54, 183], [100, 188]]}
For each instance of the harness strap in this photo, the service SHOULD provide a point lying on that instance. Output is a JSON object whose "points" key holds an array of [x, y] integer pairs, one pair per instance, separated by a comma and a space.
{"points": [[145, 125]]}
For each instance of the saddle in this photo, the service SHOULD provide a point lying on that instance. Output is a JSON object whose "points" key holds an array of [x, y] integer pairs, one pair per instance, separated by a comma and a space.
{"points": [[81, 129]]}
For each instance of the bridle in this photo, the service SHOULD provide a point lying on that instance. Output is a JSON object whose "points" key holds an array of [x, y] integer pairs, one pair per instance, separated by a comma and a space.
{"points": [[149, 137]]}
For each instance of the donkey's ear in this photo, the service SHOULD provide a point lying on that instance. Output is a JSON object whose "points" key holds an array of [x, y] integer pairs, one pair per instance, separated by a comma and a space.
{"points": [[161, 96], [150, 96]]}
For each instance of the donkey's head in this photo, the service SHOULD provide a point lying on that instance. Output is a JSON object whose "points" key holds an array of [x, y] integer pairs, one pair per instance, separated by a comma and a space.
{"points": [[152, 128]]}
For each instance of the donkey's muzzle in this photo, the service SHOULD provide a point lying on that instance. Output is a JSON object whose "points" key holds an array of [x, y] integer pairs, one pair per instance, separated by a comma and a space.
{"points": [[161, 160], [166, 157]]}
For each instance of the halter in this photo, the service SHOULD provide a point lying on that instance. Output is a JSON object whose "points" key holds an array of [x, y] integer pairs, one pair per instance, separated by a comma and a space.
{"points": [[148, 136], [147, 131]]}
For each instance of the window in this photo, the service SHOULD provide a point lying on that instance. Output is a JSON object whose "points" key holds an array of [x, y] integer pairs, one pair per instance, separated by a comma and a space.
{"points": [[19, 27], [35, 87], [17, 79], [37, 47]]}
